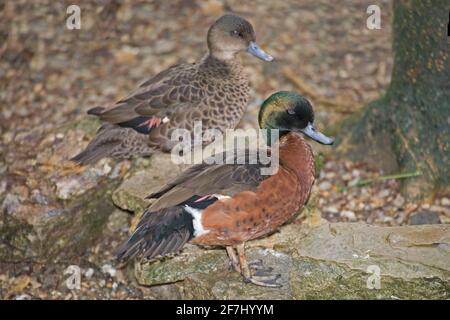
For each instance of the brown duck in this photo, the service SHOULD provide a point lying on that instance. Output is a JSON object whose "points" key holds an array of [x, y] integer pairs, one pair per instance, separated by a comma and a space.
{"points": [[215, 91], [229, 204]]}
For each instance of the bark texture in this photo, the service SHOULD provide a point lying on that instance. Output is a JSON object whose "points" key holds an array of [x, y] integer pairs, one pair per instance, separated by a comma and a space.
{"points": [[408, 129]]}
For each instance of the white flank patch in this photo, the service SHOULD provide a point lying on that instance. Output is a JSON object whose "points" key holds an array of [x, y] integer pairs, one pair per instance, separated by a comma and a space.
{"points": [[221, 197], [197, 215], [165, 120]]}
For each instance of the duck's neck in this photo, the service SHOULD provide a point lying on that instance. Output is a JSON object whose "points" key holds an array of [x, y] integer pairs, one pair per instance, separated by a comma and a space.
{"points": [[296, 155], [230, 65]]}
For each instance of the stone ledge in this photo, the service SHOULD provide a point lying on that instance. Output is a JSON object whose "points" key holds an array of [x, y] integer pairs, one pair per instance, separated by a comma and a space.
{"points": [[329, 261]]}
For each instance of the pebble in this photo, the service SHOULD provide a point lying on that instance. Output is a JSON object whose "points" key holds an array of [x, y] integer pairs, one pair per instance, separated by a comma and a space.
{"points": [[21, 191], [348, 214], [347, 177], [387, 219], [330, 175], [383, 193], [332, 209], [365, 191], [106, 169], [38, 197], [399, 201], [352, 205], [89, 273], [444, 210], [11, 203], [117, 221], [108, 269], [325, 185], [329, 165], [94, 173], [67, 187], [164, 46]]}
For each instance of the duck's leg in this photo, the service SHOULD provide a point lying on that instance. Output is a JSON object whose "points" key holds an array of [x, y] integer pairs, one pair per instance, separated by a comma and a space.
{"points": [[259, 268], [256, 266], [234, 261], [264, 279]]}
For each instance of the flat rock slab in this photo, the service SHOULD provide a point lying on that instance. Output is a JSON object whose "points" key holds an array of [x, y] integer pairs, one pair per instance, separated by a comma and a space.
{"points": [[330, 261]]}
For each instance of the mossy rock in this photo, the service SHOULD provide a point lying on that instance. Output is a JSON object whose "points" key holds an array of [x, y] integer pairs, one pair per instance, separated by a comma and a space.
{"points": [[59, 227], [329, 261]]}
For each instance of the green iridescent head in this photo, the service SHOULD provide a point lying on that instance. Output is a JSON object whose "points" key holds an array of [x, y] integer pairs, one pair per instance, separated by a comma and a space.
{"points": [[290, 111]]}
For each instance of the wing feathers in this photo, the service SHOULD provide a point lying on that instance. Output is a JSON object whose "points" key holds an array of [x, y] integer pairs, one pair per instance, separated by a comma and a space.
{"points": [[203, 179], [155, 97]]}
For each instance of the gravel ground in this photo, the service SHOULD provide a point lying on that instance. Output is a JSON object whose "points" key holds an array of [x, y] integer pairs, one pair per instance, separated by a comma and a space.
{"points": [[50, 76], [344, 195]]}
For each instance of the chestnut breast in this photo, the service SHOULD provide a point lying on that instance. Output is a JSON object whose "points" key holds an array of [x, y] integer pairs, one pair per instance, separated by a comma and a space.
{"points": [[249, 215]]}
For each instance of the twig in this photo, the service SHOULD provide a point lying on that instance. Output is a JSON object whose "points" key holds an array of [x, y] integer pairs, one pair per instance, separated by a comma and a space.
{"points": [[363, 182]]}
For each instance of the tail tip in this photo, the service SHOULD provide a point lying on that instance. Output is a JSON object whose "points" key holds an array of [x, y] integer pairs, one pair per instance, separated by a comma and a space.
{"points": [[79, 159], [96, 111]]}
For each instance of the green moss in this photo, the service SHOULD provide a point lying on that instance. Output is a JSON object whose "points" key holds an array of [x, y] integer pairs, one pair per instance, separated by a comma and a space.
{"points": [[319, 162], [169, 269], [75, 230], [89, 125], [325, 280], [16, 237], [128, 201]]}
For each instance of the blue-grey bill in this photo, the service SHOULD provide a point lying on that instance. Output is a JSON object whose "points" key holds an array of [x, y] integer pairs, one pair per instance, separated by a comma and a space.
{"points": [[258, 52], [311, 132]]}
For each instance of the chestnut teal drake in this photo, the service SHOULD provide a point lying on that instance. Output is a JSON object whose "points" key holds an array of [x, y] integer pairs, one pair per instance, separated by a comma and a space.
{"points": [[214, 90], [230, 204]]}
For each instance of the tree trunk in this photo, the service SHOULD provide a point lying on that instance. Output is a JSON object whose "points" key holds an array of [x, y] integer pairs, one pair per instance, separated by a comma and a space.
{"points": [[408, 129]]}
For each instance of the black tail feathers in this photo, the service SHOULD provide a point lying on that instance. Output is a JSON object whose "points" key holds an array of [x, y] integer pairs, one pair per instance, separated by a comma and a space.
{"points": [[158, 233]]}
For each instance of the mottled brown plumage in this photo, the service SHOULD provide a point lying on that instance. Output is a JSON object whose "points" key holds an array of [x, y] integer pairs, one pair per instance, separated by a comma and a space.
{"points": [[214, 91], [229, 204]]}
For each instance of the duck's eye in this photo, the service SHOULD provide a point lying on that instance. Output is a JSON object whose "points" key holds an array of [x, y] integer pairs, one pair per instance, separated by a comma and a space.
{"points": [[290, 111], [236, 33]]}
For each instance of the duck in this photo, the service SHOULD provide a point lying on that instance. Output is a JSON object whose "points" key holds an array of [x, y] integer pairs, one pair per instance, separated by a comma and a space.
{"points": [[229, 204], [215, 91]]}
